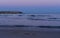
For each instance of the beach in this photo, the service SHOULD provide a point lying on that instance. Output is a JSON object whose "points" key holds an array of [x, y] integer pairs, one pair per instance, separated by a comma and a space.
{"points": [[28, 34]]}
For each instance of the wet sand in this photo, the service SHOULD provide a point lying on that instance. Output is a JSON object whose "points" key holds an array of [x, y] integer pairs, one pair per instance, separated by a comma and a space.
{"points": [[28, 34]]}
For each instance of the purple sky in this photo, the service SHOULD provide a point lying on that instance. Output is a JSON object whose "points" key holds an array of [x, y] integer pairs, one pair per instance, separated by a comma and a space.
{"points": [[31, 5], [29, 2]]}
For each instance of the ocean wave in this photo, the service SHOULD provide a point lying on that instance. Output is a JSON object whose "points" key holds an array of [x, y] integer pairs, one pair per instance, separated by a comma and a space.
{"points": [[41, 26]]}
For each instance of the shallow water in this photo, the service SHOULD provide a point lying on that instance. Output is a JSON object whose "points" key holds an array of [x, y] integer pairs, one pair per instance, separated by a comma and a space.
{"points": [[30, 19]]}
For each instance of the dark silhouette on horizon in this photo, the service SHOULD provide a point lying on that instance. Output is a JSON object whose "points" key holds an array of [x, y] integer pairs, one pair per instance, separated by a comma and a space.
{"points": [[11, 12]]}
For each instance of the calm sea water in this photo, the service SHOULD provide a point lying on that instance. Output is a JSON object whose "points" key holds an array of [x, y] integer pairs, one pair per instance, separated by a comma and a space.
{"points": [[30, 19]]}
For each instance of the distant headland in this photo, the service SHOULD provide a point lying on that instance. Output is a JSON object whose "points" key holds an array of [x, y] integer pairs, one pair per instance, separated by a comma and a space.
{"points": [[11, 12]]}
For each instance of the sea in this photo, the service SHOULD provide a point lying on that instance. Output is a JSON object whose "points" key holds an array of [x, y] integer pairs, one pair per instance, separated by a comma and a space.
{"points": [[29, 25]]}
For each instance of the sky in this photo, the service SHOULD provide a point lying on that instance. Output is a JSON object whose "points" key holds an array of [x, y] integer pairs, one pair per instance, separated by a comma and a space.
{"points": [[31, 6]]}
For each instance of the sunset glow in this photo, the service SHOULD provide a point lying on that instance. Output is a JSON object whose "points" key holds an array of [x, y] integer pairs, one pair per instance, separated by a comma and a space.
{"points": [[29, 2], [31, 6]]}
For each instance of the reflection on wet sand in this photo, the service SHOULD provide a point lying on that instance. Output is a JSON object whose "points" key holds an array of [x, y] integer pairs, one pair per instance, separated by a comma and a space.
{"points": [[28, 34]]}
